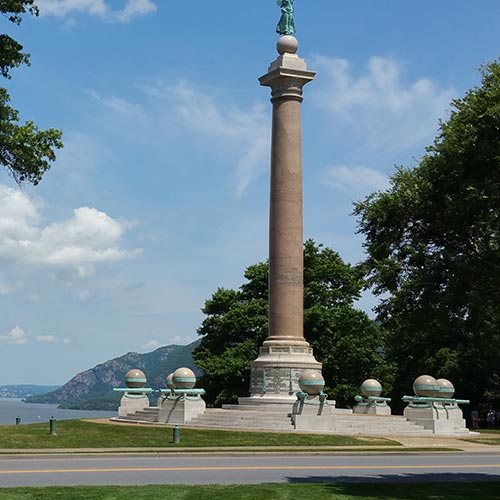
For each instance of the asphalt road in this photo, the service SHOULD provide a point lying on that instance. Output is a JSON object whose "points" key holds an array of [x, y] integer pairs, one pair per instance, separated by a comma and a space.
{"points": [[189, 469]]}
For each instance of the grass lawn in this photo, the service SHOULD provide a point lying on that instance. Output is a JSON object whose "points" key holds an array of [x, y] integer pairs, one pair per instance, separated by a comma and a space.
{"points": [[84, 434], [342, 491]]}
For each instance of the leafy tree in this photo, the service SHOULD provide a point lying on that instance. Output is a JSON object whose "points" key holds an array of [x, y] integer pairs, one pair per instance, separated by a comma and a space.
{"points": [[25, 150], [433, 244], [345, 340]]}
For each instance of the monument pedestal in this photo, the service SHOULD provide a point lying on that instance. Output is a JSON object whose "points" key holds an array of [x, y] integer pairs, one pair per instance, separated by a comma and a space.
{"points": [[439, 418], [130, 403], [372, 408], [179, 409], [312, 413], [275, 373]]}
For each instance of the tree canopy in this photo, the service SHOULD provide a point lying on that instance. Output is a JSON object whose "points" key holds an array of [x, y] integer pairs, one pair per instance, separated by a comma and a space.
{"points": [[25, 150], [433, 245], [344, 339]]}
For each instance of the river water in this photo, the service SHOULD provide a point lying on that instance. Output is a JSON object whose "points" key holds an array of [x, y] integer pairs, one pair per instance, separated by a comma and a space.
{"points": [[32, 412]]}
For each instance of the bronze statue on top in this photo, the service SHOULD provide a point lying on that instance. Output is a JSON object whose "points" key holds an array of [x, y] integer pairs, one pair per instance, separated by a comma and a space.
{"points": [[286, 25]]}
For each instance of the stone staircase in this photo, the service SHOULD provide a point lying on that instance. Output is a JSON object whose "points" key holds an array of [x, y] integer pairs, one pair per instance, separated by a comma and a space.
{"points": [[254, 417], [147, 416], [247, 419], [378, 425]]}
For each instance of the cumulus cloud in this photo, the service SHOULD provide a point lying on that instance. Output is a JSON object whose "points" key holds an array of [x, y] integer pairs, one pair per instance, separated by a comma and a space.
{"points": [[129, 10], [356, 180], [16, 336], [87, 238], [378, 109]]}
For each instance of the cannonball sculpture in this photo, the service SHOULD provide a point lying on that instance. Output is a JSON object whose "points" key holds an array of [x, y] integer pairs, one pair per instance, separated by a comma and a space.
{"points": [[311, 382], [169, 382], [135, 379], [371, 387], [426, 386], [446, 388], [184, 378]]}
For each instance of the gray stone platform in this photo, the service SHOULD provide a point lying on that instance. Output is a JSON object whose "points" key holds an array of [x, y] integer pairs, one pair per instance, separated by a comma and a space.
{"points": [[235, 417]]}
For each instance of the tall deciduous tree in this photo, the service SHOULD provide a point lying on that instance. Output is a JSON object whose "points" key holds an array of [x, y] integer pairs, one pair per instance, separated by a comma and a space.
{"points": [[433, 244], [25, 150], [345, 340]]}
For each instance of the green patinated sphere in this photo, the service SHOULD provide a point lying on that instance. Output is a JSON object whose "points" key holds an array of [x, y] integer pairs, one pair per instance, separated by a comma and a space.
{"points": [[184, 378], [169, 382], [135, 379], [311, 382], [426, 386], [371, 387], [446, 388]]}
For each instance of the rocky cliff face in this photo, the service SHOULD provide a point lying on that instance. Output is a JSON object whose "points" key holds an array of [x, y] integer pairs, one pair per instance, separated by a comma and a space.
{"points": [[93, 389]]}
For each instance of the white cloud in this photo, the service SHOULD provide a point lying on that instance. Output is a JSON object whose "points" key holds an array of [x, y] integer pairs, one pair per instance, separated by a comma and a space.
{"points": [[101, 8], [356, 180], [87, 238], [152, 345], [84, 295], [378, 109], [244, 134], [15, 336], [49, 339]]}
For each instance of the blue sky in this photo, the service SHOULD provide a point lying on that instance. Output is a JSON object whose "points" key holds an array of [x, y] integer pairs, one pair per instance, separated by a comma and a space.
{"points": [[161, 193]]}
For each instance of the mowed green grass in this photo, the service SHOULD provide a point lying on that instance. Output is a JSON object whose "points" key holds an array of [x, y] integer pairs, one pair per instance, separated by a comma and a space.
{"points": [[374, 491], [84, 434]]}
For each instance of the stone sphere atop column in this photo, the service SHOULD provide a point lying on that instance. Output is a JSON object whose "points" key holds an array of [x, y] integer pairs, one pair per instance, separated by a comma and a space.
{"points": [[287, 44], [169, 382], [446, 388], [311, 382], [426, 386], [371, 387], [135, 379], [184, 378]]}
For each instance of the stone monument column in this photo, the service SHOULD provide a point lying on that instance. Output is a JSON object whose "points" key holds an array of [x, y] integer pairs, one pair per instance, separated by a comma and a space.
{"points": [[285, 353]]}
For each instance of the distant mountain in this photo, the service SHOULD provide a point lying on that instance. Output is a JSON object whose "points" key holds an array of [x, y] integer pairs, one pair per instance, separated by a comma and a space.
{"points": [[93, 389], [23, 390]]}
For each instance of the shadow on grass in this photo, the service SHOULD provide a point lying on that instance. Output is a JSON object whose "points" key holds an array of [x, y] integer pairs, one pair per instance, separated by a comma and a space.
{"points": [[435, 486]]}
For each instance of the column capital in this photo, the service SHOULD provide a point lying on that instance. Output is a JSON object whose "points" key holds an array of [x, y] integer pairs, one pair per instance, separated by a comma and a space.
{"points": [[286, 76]]}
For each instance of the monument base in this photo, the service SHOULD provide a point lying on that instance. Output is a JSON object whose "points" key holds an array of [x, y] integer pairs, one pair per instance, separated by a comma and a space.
{"points": [[179, 409], [130, 403], [312, 414], [371, 408], [275, 373], [440, 419]]}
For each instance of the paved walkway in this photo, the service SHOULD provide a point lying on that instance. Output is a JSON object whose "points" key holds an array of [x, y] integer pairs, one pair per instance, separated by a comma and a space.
{"points": [[412, 444]]}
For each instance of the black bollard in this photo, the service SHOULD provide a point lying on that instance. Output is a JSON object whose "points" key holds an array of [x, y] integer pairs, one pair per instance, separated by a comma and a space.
{"points": [[18, 420]]}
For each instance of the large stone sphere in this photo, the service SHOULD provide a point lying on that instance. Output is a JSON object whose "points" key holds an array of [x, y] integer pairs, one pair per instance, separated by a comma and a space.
{"points": [[287, 44], [135, 379], [184, 378], [169, 382], [426, 386], [446, 388], [371, 387], [311, 382]]}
